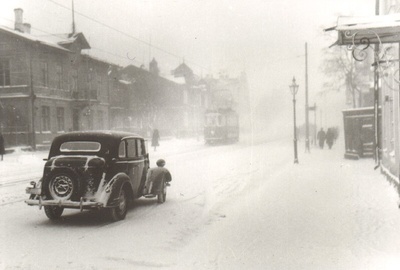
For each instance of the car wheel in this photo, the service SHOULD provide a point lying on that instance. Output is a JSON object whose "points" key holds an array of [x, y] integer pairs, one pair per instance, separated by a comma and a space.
{"points": [[53, 212], [119, 212], [62, 187], [162, 194]]}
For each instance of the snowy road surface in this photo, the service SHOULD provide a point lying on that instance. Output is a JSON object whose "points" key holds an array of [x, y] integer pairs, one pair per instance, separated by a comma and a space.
{"points": [[241, 206]]}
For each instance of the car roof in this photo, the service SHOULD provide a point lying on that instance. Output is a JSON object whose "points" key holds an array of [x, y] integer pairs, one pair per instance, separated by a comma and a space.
{"points": [[109, 140], [100, 135]]}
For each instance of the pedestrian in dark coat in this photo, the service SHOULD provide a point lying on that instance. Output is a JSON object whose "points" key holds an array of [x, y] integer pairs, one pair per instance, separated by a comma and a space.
{"points": [[330, 137], [2, 150], [155, 176], [321, 136], [155, 138]]}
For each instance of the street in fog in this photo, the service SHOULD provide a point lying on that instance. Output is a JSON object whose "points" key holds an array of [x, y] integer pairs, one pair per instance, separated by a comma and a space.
{"points": [[278, 121], [248, 209]]}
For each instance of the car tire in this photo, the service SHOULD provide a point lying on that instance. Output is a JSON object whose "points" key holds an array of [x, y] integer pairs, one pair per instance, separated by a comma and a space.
{"points": [[53, 212], [63, 186], [119, 212], [162, 194]]}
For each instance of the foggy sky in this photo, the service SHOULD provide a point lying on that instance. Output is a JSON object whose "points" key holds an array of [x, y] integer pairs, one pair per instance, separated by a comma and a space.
{"points": [[265, 39]]}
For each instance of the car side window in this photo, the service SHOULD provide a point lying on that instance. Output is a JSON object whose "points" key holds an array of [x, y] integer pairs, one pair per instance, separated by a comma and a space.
{"points": [[141, 147], [131, 148], [122, 150]]}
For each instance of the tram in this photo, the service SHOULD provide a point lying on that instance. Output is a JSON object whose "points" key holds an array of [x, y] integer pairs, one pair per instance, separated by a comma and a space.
{"points": [[221, 126]]}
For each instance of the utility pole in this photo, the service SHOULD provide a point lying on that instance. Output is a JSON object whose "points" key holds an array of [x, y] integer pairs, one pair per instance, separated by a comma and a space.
{"points": [[376, 97], [293, 89], [307, 123], [73, 19]]}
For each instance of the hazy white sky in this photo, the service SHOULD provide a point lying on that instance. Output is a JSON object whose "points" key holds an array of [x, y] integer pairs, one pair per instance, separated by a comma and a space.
{"points": [[266, 38]]}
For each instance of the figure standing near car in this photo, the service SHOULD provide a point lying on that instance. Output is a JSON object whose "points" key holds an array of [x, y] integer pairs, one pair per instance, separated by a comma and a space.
{"points": [[321, 136], [2, 150], [155, 177], [155, 139]]}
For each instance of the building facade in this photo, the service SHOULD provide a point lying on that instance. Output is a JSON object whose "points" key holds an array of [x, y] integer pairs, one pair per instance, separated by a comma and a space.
{"points": [[378, 36], [52, 84], [49, 85]]}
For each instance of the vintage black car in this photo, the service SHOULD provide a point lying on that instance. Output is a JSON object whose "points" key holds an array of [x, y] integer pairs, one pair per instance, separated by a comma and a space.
{"points": [[92, 170]]}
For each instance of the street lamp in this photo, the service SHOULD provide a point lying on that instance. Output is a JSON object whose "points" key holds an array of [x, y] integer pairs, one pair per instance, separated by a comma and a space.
{"points": [[293, 89]]}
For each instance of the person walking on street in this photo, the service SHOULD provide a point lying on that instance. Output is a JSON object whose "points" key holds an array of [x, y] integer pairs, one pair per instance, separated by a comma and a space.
{"points": [[155, 139], [330, 136], [2, 150], [321, 136]]}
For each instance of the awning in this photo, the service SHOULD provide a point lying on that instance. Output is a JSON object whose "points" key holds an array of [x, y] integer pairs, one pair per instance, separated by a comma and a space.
{"points": [[367, 30]]}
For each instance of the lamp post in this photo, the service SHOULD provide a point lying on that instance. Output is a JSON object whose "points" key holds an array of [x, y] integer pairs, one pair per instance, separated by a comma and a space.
{"points": [[293, 89]]}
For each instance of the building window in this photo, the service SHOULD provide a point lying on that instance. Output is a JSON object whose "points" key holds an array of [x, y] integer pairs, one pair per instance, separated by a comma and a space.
{"points": [[44, 74], [59, 75], [4, 72], [60, 119], [45, 118]]}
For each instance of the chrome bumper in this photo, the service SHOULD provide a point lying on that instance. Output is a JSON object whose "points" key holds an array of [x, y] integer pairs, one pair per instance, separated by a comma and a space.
{"points": [[65, 203]]}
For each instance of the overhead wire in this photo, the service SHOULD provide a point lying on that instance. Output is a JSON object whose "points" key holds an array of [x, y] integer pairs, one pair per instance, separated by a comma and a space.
{"points": [[127, 35]]}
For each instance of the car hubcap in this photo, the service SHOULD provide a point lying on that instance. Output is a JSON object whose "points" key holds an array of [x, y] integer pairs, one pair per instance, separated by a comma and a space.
{"points": [[61, 187]]}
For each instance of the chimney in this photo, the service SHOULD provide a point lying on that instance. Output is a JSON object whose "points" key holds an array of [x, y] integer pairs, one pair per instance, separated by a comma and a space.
{"points": [[27, 28], [18, 20]]}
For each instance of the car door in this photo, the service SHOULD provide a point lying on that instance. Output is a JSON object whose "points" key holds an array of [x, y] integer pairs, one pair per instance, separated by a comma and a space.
{"points": [[136, 163]]}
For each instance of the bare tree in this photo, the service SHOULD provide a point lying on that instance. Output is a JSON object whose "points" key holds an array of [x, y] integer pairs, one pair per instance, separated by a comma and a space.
{"points": [[343, 72]]}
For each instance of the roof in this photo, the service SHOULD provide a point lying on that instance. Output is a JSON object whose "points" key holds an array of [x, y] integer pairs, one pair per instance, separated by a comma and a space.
{"points": [[369, 22], [31, 38], [109, 139], [67, 39], [99, 134], [371, 29]]}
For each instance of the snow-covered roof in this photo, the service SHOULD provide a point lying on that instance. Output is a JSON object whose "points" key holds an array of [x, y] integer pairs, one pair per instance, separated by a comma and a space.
{"points": [[370, 22], [42, 40], [66, 39], [374, 29]]}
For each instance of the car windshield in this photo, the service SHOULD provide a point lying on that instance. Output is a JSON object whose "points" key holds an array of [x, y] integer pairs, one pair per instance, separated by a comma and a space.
{"points": [[80, 146]]}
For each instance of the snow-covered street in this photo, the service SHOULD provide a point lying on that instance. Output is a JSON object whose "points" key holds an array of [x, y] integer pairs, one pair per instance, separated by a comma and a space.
{"points": [[238, 206]]}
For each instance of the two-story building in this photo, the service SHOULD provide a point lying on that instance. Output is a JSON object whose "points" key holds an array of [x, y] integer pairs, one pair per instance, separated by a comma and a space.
{"points": [[49, 85]]}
